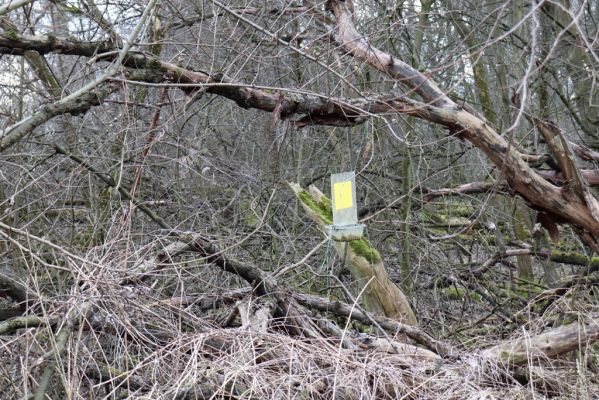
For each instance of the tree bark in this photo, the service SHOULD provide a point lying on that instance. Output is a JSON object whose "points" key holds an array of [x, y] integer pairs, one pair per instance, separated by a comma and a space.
{"points": [[546, 345]]}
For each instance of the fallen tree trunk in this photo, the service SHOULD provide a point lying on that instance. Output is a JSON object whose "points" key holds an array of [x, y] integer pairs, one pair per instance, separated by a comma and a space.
{"points": [[549, 344]]}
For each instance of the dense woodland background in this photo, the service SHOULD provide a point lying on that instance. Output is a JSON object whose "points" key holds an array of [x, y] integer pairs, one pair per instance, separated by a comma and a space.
{"points": [[164, 173]]}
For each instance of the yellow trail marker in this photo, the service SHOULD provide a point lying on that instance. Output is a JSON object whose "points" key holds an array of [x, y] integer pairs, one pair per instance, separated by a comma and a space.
{"points": [[345, 225], [343, 195]]}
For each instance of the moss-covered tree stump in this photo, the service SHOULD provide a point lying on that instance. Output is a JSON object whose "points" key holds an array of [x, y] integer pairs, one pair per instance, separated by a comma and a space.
{"points": [[381, 295]]}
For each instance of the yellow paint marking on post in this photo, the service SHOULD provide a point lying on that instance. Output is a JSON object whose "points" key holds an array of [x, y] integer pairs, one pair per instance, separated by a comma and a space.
{"points": [[343, 195]]}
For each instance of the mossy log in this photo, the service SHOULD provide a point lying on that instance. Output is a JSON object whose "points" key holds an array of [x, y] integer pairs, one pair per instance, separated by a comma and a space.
{"points": [[29, 321], [574, 258], [381, 296]]}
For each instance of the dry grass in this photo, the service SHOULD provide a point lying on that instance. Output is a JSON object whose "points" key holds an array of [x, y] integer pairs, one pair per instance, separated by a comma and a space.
{"points": [[131, 346]]}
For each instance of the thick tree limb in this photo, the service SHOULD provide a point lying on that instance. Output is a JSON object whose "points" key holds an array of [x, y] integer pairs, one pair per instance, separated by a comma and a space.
{"points": [[565, 159], [30, 321], [355, 44], [558, 256], [14, 43], [335, 112], [466, 189], [468, 125], [16, 132], [36, 61], [13, 5], [321, 110], [546, 345], [584, 152], [318, 109], [591, 177]]}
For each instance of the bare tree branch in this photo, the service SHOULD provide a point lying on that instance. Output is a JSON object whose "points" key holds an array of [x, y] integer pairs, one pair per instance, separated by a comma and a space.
{"points": [[74, 106], [521, 178]]}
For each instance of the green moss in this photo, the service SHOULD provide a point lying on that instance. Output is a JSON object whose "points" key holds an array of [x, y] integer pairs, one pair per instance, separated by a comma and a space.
{"points": [[11, 35], [348, 237], [70, 9], [250, 217], [454, 293], [427, 216], [464, 211], [522, 233], [457, 293], [154, 63], [567, 247], [575, 259], [441, 214], [323, 210], [462, 237], [520, 292], [326, 205], [526, 287], [365, 249]]}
